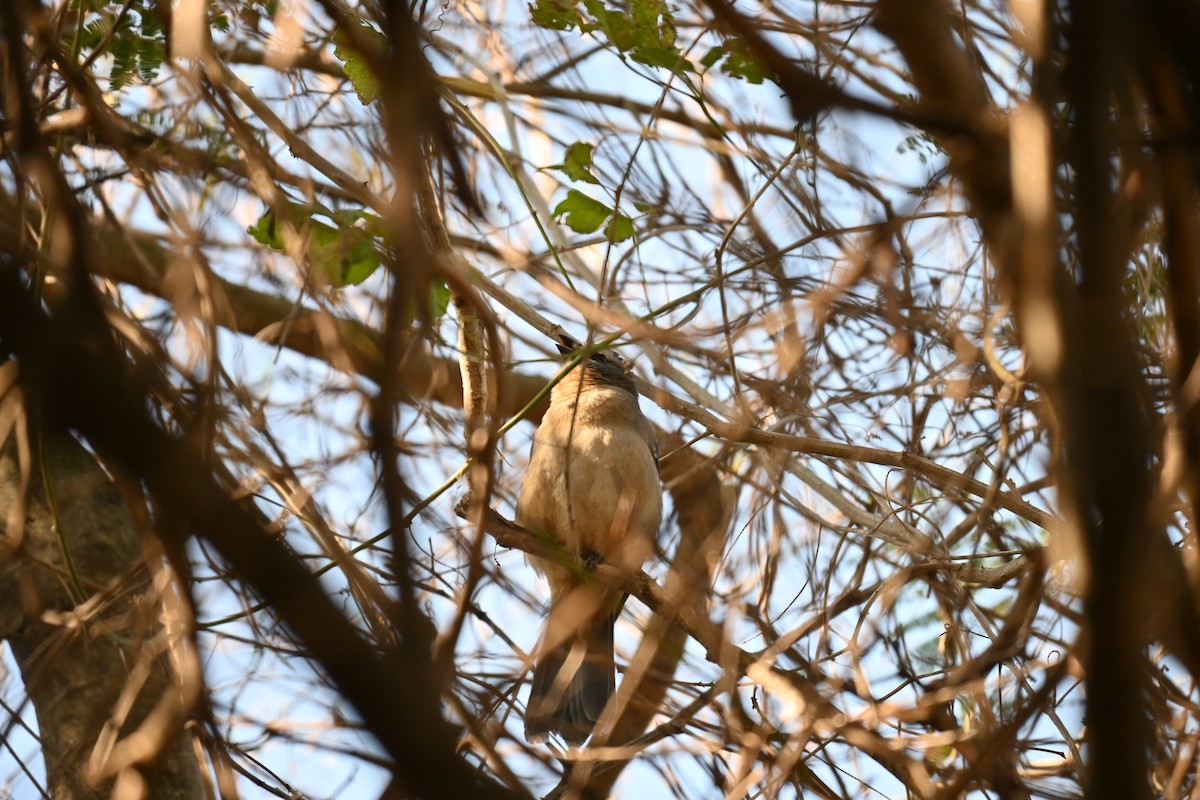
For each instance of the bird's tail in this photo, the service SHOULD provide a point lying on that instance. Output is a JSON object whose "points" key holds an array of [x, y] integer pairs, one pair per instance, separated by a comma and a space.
{"points": [[572, 683]]}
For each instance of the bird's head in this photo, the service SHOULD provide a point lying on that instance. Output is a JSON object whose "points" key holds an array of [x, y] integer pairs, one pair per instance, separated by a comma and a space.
{"points": [[604, 367]]}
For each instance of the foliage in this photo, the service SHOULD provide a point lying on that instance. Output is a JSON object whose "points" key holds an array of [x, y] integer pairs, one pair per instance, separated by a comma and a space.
{"points": [[577, 163], [737, 61], [355, 64], [340, 254], [132, 34], [582, 214], [646, 32]]}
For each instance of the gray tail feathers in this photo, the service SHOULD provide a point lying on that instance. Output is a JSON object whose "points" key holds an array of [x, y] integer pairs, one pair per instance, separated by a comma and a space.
{"points": [[571, 685]]}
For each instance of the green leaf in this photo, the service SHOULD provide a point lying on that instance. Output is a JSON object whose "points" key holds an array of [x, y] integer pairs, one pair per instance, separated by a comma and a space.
{"points": [[660, 56], [646, 33], [618, 27], [620, 229], [349, 216], [713, 56], [439, 299], [150, 57], [581, 213], [354, 64], [265, 231], [584, 214], [94, 32], [124, 53], [577, 163], [743, 64], [360, 76], [152, 24], [556, 15], [739, 62], [343, 254], [135, 40], [361, 263]]}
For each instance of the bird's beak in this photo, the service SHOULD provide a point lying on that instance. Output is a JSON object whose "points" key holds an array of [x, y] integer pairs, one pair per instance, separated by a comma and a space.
{"points": [[566, 345]]}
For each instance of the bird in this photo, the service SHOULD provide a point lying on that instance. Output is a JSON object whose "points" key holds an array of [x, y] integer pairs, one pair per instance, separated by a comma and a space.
{"points": [[593, 487]]}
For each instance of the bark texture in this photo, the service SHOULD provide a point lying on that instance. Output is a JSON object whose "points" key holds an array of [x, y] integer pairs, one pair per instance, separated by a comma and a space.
{"points": [[78, 609]]}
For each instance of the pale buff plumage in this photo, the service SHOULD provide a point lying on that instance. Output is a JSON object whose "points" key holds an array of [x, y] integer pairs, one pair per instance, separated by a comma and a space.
{"points": [[593, 486]]}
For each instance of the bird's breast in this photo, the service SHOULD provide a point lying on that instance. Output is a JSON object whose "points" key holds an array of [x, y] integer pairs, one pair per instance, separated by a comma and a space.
{"points": [[593, 487]]}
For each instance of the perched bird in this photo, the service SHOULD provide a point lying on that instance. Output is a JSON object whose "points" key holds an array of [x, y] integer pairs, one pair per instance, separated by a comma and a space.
{"points": [[593, 486]]}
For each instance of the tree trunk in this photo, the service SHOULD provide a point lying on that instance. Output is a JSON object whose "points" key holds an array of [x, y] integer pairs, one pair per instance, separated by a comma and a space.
{"points": [[78, 609]]}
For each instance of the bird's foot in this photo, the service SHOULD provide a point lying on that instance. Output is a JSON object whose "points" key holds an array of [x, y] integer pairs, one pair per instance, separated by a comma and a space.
{"points": [[592, 559]]}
